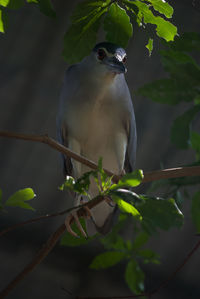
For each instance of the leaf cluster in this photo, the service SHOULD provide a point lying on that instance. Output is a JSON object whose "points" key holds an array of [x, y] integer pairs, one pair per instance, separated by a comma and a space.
{"points": [[182, 85], [147, 214], [118, 18]]}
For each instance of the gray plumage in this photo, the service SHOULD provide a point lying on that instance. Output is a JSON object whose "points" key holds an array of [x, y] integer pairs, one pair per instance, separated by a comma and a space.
{"points": [[96, 119]]}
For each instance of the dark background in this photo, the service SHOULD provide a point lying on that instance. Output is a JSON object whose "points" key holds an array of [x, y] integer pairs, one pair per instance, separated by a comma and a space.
{"points": [[31, 73]]}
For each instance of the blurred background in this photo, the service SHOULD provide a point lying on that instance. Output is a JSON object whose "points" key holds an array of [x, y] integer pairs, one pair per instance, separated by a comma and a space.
{"points": [[31, 74]]}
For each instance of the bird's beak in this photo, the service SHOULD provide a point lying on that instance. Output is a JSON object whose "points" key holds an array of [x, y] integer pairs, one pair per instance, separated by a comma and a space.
{"points": [[115, 65]]}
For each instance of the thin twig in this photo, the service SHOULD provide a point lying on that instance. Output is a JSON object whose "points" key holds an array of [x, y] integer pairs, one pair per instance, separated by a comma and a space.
{"points": [[57, 146], [35, 261], [90, 204], [155, 291], [148, 176]]}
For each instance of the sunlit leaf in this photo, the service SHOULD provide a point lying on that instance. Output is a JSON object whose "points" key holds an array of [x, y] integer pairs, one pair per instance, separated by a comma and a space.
{"points": [[162, 7], [164, 28], [127, 208], [117, 25], [107, 259], [20, 198], [196, 210], [4, 2], [134, 277], [131, 179], [149, 46]]}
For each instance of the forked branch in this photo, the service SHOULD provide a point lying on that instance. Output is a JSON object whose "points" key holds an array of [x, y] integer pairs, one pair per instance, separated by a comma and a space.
{"points": [[49, 245]]}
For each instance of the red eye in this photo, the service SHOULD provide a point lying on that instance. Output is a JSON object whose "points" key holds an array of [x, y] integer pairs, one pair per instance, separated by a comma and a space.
{"points": [[124, 59], [101, 54]]}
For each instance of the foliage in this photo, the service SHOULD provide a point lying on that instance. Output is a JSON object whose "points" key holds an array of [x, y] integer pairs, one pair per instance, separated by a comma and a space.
{"points": [[118, 18], [18, 199], [182, 85], [144, 214], [149, 214]]}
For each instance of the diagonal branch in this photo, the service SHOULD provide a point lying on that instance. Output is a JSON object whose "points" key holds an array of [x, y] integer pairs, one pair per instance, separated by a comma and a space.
{"points": [[148, 176], [48, 246]]}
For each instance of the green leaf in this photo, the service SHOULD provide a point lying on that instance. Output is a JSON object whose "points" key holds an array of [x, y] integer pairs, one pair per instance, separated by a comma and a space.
{"points": [[15, 4], [197, 100], [162, 7], [159, 213], [107, 259], [149, 256], [180, 131], [164, 28], [117, 26], [140, 240], [47, 8], [69, 240], [127, 195], [149, 46], [134, 277], [196, 210], [161, 91], [4, 3], [195, 142], [68, 184], [188, 41], [18, 199], [81, 35], [127, 208], [3, 21], [131, 179], [32, 1], [182, 68]]}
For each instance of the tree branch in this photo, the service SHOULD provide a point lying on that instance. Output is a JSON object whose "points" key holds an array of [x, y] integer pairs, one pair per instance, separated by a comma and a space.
{"points": [[148, 176], [81, 212], [51, 242]]}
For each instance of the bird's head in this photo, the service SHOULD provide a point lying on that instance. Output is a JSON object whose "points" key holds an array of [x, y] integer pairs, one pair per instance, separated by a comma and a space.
{"points": [[111, 57]]}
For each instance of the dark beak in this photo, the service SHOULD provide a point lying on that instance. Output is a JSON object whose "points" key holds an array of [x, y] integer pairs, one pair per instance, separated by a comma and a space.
{"points": [[114, 64]]}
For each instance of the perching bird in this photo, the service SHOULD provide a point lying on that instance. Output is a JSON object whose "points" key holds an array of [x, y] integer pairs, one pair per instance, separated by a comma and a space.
{"points": [[96, 119]]}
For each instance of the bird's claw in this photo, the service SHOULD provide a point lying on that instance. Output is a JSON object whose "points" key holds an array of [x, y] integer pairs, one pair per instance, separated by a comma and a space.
{"points": [[109, 201], [74, 217]]}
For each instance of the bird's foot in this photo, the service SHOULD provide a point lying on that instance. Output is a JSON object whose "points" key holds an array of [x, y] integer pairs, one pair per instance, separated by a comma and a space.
{"points": [[109, 201], [74, 217]]}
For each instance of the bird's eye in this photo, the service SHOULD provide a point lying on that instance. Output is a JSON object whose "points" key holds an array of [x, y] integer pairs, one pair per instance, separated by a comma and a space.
{"points": [[124, 59], [101, 54]]}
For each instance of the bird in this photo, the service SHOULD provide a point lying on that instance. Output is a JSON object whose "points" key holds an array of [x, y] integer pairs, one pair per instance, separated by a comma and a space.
{"points": [[96, 119]]}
